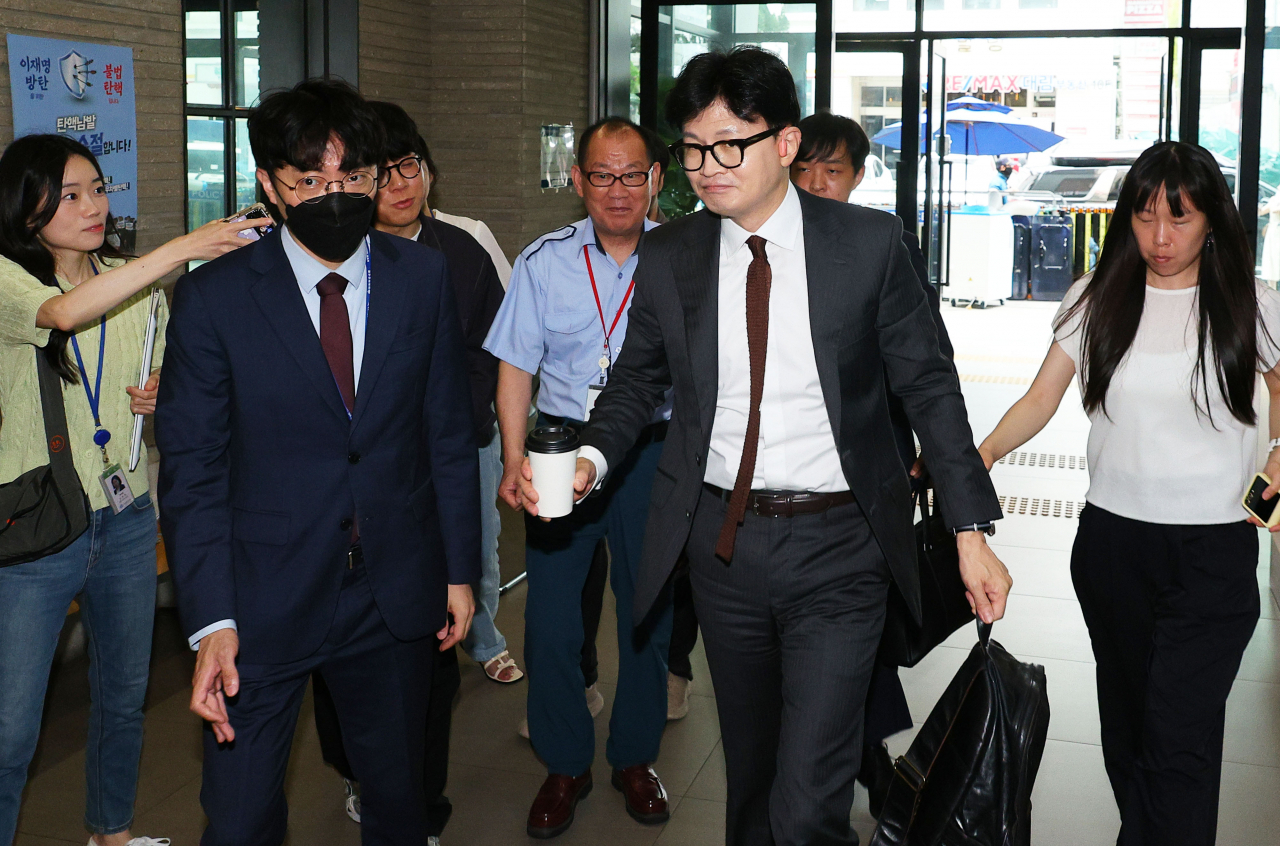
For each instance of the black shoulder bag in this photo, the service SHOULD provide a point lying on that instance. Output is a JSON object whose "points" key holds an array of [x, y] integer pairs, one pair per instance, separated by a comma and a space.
{"points": [[942, 593], [45, 509]]}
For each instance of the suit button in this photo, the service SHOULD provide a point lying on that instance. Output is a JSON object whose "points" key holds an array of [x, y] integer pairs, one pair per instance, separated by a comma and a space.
{"points": [[353, 458], [345, 524], [697, 459]]}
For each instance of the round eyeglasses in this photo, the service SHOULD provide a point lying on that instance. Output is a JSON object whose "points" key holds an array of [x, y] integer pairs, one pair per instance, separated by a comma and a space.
{"points": [[409, 168], [312, 189], [729, 153], [604, 179]]}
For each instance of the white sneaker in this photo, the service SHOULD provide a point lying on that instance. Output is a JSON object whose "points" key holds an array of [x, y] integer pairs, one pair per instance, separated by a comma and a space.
{"points": [[595, 704], [353, 799]]}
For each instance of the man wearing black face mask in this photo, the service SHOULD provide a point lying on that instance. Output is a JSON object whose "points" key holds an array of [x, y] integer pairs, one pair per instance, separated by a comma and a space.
{"points": [[317, 443]]}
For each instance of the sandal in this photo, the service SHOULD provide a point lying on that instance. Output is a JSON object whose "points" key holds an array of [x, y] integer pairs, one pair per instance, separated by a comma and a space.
{"points": [[502, 669]]}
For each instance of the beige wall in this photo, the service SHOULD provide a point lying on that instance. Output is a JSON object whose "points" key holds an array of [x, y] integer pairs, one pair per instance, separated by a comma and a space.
{"points": [[480, 77], [153, 28]]}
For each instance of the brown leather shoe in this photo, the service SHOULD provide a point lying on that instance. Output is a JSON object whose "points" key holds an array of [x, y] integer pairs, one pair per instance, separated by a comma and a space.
{"points": [[552, 811], [645, 795]]}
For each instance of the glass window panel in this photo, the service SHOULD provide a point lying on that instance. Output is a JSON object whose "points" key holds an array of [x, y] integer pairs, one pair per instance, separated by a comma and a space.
{"points": [[988, 15], [786, 29], [636, 29], [1268, 249], [203, 31], [868, 88], [873, 15], [246, 175], [1220, 75], [247, 56], [1219, 12], [206, 163]]}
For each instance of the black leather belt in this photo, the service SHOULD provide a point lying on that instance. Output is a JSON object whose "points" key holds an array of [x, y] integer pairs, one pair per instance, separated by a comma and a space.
{"points": [[786, 503]]}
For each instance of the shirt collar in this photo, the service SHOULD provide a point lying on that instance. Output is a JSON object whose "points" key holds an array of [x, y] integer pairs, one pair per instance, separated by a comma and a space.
{"points": [[782, 229], [309, 271], [587, 230]]}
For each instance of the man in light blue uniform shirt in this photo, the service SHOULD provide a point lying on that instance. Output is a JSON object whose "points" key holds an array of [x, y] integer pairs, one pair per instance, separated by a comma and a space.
{"points": [[565, 318]]}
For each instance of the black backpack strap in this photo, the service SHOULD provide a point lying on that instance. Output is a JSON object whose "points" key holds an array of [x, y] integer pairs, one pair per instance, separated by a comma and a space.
{"points": [[55, 427]]}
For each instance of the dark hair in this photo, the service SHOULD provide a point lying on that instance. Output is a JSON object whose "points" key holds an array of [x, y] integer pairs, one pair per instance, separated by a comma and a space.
{"points": [[403, 138], [822, 135], [753, 83], [658, 151], [609, 126], [31, 173], [1112, 301], [293, 127]]}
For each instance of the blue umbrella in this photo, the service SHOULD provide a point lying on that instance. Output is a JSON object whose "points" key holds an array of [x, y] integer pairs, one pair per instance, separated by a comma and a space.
{"points": [[980, 133], [974, 104]]}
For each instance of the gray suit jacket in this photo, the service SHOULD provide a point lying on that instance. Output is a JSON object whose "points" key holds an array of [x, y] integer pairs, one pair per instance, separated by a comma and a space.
{"points": [[869, 319]]}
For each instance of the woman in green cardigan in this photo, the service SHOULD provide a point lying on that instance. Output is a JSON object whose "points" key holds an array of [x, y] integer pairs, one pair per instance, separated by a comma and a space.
{"points": [[68, 294]]}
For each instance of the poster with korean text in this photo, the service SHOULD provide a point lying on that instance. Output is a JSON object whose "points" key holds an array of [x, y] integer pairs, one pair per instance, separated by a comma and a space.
{"points": [[83, 91]]}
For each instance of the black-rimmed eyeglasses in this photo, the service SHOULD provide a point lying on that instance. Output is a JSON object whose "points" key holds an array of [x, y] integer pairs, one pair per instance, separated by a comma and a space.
{"points": [[311, 189], [604, 179], [409, 167], [729, 153]]}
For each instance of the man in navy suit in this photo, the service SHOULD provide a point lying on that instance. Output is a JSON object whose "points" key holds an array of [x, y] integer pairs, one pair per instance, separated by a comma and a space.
{"points": [[320, 480]]}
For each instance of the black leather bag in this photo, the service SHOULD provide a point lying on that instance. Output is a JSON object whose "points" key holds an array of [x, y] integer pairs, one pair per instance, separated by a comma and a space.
{"points": [[45, 509], [967, 778], [942, 595]]}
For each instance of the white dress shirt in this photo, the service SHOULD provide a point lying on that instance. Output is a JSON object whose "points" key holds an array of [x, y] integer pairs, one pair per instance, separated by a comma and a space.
{"points": [[308, 271], [797, 450]]}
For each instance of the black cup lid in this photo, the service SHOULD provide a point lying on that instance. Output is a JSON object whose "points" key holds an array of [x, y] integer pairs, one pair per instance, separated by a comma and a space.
{"points": [[551, 440]]}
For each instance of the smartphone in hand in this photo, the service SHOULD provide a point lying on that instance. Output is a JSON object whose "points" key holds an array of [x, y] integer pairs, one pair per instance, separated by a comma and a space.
{"points": [[1263, 509], [254, 211]]}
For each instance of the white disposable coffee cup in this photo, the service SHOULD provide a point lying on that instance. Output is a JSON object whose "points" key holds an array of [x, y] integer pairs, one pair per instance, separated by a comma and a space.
{"points": [[553, 457]]}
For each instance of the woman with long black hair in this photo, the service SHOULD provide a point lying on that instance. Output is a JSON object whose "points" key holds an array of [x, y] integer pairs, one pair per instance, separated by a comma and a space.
{"points": [[1168, 336], [66, 293]]}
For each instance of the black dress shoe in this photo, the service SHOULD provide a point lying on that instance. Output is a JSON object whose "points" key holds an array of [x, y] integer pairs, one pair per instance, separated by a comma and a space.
{"points": [[876, 775]]}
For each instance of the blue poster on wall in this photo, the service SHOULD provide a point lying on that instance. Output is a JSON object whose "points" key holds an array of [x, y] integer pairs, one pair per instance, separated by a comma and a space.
{"points": [[83, 91]]}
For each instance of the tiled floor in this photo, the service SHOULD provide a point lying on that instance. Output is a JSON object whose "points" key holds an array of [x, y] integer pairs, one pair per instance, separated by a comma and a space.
{"points": [[494, 773]]}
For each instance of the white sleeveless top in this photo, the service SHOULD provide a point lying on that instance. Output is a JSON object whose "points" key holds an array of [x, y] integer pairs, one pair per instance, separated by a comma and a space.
{"points": [[1152, 456]]}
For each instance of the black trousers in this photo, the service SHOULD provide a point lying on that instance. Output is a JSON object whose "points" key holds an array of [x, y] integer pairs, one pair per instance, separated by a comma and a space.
{"points": [[445, 681], [791, 627], [379, 689], [1170, 610]]}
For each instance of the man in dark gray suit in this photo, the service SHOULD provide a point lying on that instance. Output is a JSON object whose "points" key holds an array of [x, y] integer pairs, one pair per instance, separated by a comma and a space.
{"points": [[784, 481]]}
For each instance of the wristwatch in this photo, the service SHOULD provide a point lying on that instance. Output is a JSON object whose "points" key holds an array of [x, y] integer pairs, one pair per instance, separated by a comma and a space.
{"points": [[985, 528]]}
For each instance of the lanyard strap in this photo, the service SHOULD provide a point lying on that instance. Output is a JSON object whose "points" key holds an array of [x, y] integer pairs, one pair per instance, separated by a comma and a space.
{"points": [[95, 396], [608, 331]]}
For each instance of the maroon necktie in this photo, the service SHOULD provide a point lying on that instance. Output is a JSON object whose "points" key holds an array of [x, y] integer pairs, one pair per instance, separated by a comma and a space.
{"points": [[335, 336], [759, 280]]}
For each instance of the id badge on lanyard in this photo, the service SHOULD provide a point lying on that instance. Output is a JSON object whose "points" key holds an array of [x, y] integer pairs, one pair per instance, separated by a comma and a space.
{"points": [[607, 355], [113, 480]]}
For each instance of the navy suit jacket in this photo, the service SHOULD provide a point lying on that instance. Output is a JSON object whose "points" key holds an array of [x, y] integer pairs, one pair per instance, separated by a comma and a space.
{"points": [[261, 464]]}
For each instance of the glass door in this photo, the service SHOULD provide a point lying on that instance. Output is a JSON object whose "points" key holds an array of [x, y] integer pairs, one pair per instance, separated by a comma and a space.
{"points": [[682, 31]]}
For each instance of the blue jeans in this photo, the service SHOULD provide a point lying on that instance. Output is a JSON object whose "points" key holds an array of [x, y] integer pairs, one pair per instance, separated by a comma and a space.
{"points": [[484, 641], [112, 568]]}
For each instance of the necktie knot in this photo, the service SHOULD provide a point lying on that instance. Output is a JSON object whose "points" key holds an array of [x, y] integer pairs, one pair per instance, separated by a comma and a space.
{"points": [[334, 283], [756, 244]]}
